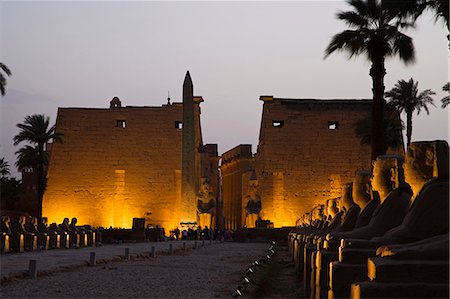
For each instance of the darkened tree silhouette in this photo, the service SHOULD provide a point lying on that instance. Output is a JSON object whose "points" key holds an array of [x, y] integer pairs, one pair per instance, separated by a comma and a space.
{"points": [[375, 33], [392, 129], [10, 191], [405, 97], [7, 71], [36, 130], [4, 168]]}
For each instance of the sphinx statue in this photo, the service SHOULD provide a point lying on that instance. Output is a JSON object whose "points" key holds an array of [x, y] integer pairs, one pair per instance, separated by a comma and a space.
{"points": [[426, 171], [434, 248], [253, 202], [6, 234], [206, 203], [334, 214], [388, 180], [364, 198], [66, 227], [351, 210]]}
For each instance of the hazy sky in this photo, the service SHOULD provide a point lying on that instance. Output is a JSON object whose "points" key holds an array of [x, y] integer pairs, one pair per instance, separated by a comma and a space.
{"points": [[82, 54]]}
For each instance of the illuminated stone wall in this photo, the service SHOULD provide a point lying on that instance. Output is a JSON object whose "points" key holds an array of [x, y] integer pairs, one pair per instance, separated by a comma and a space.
{"points": [[307, 149], [236, 167], [106, 171]]}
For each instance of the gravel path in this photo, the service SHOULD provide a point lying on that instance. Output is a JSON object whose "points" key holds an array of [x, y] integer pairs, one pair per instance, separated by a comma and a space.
{"points": [[209, 272]]}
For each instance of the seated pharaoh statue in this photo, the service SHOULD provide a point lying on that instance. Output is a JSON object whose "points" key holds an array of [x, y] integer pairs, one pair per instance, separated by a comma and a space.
{"points": [[363, 196], [388, 180], [253, 205], [206, 203]]}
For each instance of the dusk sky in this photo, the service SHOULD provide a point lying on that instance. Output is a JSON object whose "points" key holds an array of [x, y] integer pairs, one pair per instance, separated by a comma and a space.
{"points": [[82, 54]]}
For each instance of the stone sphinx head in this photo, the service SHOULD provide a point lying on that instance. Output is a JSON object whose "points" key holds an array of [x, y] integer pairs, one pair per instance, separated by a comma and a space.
{"points": [[388, 174], [6, 221], [332, 207], [307, 218], [318, 212], [425, 160], [22, 220], [346, 200], [361, 189]]}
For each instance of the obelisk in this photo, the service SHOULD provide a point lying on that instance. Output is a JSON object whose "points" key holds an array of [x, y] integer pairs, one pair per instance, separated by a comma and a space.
{"points": [[188, 168]]}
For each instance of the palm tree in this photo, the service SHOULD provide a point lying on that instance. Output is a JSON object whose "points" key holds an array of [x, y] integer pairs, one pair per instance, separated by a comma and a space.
{"points": [[7, 71], [35, 130], [405, 97], [4, 168], [446, 100], [375, 33]]}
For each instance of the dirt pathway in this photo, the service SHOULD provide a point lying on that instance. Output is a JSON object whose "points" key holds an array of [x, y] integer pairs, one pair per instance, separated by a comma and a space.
{"points": [[209, 272]]}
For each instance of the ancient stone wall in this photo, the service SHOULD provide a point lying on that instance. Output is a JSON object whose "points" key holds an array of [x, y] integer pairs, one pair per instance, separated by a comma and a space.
{"points": [[236, 167], [307, 149], [116, 164]]}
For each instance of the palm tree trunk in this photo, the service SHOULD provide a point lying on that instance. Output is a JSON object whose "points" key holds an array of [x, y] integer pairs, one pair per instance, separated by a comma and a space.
{"points": [[408, 127], [377, 72]]}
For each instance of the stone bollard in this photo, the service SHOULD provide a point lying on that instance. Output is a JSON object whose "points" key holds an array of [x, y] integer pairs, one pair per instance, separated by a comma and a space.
{"points": [[92, 260], [195, 245], [153, 252], [32, 269], [184, 246], [170, 249], [127, 253]]}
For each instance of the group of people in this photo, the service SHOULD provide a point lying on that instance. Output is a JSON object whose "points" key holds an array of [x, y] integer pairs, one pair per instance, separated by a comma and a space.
{"points": [[192, 233]]}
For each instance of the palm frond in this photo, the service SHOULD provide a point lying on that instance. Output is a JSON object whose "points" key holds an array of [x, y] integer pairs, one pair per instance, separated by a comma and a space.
{"points": [[2, 84], [352, 19], [29, 156], [5, 69], [4, 167], [403, 46], [446, 100], [351, 41]]}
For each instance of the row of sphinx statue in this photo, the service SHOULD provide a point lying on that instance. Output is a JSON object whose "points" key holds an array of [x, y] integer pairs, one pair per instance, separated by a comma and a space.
{"points": [[25, 233], [392, 243]]}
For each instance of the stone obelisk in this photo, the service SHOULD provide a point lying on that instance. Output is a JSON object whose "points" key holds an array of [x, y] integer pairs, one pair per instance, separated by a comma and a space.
{"points": [[188, 167]]}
